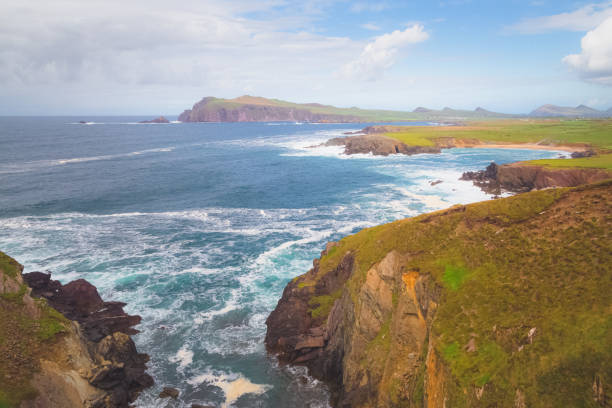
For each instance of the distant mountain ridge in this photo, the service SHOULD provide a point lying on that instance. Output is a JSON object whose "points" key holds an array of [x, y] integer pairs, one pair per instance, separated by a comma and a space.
{"points": [[568, 111], [248, 108]]}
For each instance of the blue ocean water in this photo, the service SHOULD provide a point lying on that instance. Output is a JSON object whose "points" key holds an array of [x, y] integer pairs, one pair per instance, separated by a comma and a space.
{"points": [[198, 227]]}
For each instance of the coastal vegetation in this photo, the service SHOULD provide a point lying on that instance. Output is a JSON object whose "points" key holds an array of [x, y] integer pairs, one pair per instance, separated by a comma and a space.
{"points": [[603, 161], [520, 289], [596, 133]]}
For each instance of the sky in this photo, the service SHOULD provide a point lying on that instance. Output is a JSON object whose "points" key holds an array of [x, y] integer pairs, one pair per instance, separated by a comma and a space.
{"points": [[133, 57]]}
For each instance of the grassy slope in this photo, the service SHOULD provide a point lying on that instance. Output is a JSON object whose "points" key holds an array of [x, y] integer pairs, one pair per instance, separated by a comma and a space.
{"points": [[594, 133], [23, 339], [541, 259]]}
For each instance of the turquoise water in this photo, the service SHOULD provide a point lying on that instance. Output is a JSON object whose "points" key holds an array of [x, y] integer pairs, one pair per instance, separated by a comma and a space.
{"points": [[198, 227]]}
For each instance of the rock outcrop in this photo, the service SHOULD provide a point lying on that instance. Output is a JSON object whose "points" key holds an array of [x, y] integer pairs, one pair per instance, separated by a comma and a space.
{"points": [[160, 119], [520, 177], [471, 306], [71, 348], [378, 145]]}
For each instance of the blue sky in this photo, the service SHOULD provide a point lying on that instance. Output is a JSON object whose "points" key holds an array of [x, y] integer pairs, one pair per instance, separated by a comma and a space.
{"points": [[155, 57]]}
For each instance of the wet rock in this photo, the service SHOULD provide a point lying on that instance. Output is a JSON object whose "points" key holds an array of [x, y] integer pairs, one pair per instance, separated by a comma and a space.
{"points": [[169, 392], [585, 153]]}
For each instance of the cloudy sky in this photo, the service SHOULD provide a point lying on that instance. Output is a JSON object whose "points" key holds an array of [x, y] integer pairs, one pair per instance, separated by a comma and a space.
{"points": [[159, 57]]}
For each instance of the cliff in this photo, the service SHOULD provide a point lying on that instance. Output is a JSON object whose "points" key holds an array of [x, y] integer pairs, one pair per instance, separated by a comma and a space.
{"points": [[252, 109], [520, 177], [503, 303], [63, 346]]}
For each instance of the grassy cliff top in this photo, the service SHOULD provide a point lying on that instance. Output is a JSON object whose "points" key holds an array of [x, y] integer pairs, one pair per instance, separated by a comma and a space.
{"points": [[603, 161], [526, 280]]}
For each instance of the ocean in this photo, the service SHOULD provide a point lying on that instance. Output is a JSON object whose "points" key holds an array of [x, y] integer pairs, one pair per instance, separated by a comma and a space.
{"points": [[199, 226]]}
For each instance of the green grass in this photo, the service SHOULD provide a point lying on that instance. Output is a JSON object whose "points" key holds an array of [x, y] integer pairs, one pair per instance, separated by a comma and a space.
{"points": [[597, 162], [9, 265], [322, 304], [540, 259], [454, 276], [594, 132]]}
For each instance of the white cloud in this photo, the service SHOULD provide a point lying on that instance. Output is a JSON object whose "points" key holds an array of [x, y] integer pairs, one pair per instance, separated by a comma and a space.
{"points": [[154, 42], [380, 54], [594, 63], [582, 19], [371, 27]]}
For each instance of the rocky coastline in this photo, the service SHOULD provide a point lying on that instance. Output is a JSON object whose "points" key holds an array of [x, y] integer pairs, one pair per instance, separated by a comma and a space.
{"points": [[81, 351]]}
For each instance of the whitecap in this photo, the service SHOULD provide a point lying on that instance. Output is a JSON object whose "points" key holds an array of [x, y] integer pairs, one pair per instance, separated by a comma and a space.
{"points": [[184, 357], [232, 386]]}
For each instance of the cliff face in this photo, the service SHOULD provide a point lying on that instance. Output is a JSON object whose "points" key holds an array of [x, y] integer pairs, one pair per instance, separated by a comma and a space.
{"points": [[500, 303], [518, 177], [63, 346], [211, 109]]}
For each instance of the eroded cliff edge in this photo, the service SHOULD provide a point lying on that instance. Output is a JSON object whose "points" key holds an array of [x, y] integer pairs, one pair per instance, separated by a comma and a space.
{"points": [[521, 177], [63, 346], [502, 303]]}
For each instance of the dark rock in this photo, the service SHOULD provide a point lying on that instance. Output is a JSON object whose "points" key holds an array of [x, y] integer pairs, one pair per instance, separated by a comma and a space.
{"points": [[586, 153], [433, 183], [160, 119], [79, 300], [169, 392], [119, 370]]}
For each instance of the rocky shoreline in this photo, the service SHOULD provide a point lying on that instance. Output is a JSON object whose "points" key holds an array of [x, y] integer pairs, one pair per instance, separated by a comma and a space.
{"points": [[84, 356]]}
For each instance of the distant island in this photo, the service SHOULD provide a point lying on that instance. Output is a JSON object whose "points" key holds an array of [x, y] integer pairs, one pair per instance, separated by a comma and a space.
{"points": [[248, 108]]}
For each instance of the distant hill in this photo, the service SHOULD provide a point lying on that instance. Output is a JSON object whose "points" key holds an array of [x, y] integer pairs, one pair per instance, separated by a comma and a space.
{"points": [[581, 111], [450, 113], [257, 109], [248, 108]]}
